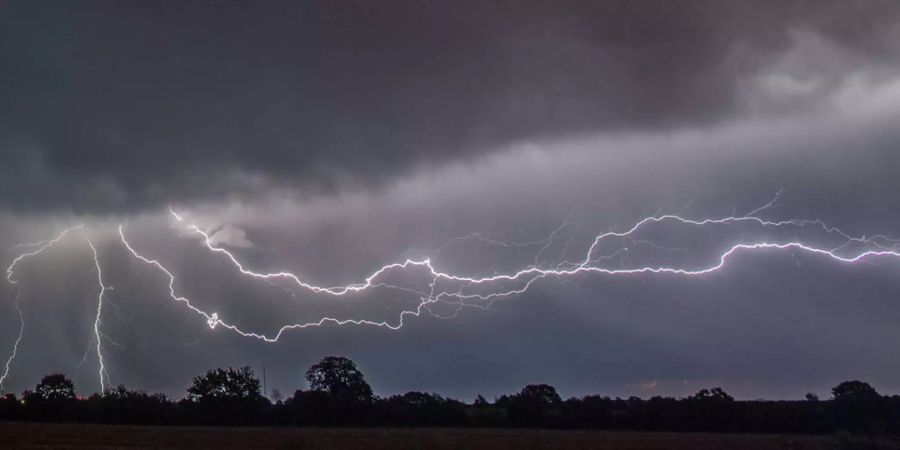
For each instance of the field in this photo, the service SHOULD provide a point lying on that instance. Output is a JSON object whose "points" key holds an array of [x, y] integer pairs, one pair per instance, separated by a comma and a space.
{"points": [[72, 436]]}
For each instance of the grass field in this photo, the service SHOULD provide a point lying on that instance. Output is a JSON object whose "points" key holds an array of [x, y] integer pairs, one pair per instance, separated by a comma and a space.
{"points": [[73, 436]]}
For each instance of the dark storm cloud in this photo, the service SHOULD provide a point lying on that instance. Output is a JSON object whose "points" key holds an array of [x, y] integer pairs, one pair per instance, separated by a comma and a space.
{"points": [[115, 106]]}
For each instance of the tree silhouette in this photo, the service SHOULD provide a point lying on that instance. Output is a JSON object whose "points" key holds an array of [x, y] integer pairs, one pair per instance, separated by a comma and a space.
{"points": [[339, 377], [122, 405], [339, 394], [225, 384], [854, 391], [341, 397], [540, 394], [532, 405], [858, 406], [55, 386], [714, 394], [419, 409], [225, 396]]}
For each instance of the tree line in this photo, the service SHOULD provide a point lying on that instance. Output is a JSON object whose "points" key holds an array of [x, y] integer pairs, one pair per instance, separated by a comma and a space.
{"points": [[339, 395]]}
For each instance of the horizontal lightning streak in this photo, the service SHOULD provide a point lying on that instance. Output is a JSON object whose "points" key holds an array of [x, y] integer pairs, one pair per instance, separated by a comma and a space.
{"points": [[213, 320], [528, 276], [461, 290]]}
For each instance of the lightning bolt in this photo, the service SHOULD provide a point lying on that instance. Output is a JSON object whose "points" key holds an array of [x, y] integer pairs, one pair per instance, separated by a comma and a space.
{"points": [[465, 291], [97, 321], [15, 348], [41, 247], [213, 320], [493, 286]]}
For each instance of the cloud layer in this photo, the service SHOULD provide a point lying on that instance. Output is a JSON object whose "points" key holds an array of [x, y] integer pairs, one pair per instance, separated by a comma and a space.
{"points": [[127, 106]]}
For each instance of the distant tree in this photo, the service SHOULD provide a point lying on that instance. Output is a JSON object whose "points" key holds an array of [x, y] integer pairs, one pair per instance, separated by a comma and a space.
{"points": [[532, 405], [480, 401], [308, 407], [540, 394], [8, 407], [225, 384], [119, 392], [714, 394], [122, 393], [419, 409], [810, 397], [854, 391], [711, 410], [858, 407], [122, 405], [52, 400], [55, 386], [339, 377], [225, 397]]}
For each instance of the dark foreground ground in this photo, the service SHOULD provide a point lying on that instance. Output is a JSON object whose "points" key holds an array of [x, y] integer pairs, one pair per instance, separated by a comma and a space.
{"points": [[76, 436]]}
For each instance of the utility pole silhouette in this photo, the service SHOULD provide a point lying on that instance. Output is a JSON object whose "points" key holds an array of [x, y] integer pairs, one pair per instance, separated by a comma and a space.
{"points": [[265, 389]]}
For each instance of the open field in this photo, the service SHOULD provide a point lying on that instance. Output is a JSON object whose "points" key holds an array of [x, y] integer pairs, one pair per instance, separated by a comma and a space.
{"points": [[77, 436]]}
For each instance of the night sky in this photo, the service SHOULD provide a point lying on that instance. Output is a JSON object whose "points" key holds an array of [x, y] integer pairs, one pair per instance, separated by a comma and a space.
{"points": [[330, 139]]}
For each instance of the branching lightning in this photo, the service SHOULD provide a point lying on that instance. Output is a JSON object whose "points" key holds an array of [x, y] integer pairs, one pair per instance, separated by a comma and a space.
{"points": [[97, 320], [15, 348], [464, 291], [493, 287], [10, 271], [41, 246]]}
